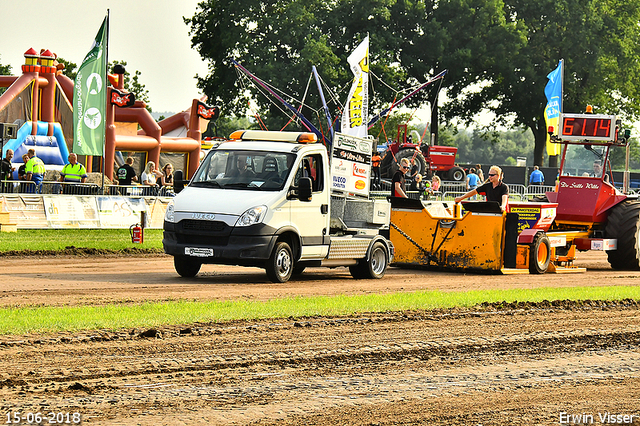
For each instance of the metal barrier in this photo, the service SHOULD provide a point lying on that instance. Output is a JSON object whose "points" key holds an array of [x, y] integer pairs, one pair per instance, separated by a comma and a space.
{"points": [[18, 187], [68, 188], [516, 191], [537, 191], [453, 186]]}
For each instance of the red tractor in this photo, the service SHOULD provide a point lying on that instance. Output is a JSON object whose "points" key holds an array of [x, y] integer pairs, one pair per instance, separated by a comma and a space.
{"points": [[426, 158], [591, 213]]}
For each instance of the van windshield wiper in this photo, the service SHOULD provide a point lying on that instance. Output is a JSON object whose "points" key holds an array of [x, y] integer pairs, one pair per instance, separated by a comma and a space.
{"points": [[208, 183]]}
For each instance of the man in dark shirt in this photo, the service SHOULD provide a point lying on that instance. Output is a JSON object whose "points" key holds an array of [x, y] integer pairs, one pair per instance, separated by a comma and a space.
{"points": [[6, 173], [126, 174], [494, 189], [397, 182]]}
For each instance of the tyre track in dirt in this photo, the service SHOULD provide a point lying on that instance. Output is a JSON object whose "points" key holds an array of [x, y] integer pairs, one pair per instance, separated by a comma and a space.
{"points": [[291, 371]]}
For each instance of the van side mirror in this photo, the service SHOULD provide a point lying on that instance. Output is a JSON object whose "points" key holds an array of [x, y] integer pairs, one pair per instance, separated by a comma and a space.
{"points": [[178, 183], [304, 189]]}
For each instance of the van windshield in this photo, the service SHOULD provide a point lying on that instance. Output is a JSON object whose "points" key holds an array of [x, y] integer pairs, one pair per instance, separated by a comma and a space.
{"points": [[251, 170]]}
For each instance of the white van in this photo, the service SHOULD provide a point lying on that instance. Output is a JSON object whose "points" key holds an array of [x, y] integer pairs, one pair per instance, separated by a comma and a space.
{"points": [[264, 199]]}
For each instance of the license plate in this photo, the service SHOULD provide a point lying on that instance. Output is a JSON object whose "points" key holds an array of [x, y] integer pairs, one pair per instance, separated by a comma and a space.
{"points": [[198, 252]]}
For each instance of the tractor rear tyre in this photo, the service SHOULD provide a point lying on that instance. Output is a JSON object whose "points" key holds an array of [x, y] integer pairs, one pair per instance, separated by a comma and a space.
{"points": [[456, 174], [186, 267], [388, 166], [624, 225], [539, 254]]}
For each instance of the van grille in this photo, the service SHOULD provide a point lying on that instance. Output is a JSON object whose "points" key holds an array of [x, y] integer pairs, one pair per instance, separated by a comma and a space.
{"points": [[203, 232], [203, 225]]}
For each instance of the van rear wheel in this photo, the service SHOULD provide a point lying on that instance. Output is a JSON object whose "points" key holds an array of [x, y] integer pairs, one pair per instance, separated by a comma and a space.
{"points": [[374, 267]]}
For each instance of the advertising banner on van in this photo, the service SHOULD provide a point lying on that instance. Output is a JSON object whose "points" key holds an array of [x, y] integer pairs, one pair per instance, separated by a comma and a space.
{"points": [[351, 165]]}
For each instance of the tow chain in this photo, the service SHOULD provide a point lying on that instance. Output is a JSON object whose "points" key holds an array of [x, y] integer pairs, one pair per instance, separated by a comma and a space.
{"points": [[429, 255]]}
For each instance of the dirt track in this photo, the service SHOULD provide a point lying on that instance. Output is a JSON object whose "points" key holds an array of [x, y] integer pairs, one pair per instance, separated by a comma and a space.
{"points": [[535, 365]]}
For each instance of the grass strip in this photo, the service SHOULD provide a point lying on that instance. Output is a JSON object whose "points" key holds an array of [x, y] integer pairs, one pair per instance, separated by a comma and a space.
{"points": [[59, 239], [111, 317]]}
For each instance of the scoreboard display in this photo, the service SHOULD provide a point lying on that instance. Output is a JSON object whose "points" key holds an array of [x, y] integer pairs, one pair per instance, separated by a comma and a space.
{"points": [[592, 127]]}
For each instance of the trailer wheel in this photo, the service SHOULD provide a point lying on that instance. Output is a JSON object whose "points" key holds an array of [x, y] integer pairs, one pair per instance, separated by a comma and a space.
{"points": [[456, 174], [539, 254], [280, 265], [186, 266], [374, 267], [624, 225]]}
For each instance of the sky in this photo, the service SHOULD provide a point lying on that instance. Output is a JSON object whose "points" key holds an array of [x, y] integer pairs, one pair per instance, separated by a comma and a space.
{"points": [[150, 35]]}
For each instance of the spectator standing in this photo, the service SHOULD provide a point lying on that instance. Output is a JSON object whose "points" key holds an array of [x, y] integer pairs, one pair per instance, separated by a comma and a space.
{"points": [[375, 167], [480, 173], [417, 185], [472, 180], [72, 173], [150, 174], [6, 171], [22, 175], [125, 173], [35, 169], [537, 177], [494, 189], [165, 182], [398, 180], [148, 178], [435, 183]]}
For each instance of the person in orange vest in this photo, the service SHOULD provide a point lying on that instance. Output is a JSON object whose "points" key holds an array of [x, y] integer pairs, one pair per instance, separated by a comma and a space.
{"points": [[375, 166]]}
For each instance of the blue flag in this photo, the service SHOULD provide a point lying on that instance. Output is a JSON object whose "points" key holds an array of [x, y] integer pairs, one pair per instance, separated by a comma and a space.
{"points": [[553, 92], [90, 97]]}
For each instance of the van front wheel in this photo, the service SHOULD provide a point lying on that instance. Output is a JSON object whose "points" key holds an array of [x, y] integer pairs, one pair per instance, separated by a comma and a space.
{"points": [[280, 265], [186, 266]]}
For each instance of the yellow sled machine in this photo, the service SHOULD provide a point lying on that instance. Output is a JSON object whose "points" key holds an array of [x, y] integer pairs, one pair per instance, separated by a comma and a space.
{"points": [[483, 238]]}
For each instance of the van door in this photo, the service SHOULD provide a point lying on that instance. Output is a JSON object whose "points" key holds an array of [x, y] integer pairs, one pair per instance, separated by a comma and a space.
{"points": [[312, 217]]}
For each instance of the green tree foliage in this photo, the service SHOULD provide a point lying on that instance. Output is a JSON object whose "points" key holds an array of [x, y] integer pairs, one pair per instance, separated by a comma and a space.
{"points": [[473, 148], [4, 70], [133, 84], [598, 41], [497, 52], [280, 41], [70, 68]]}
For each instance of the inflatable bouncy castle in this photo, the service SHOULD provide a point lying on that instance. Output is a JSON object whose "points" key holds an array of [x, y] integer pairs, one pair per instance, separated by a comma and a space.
{"points": [[39, 103]]}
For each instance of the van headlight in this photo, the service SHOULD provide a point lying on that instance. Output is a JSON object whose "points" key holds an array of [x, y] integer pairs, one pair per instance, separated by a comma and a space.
{"points": [[169, 213], [252, 216]]}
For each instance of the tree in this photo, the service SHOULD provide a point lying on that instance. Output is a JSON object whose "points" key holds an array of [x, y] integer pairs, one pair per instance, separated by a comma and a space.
{"points": [[280, 41], [70, 68], [598, 41], [498, 53], [4, 70]]}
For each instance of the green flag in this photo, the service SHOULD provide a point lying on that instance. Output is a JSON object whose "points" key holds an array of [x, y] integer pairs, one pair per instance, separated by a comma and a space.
{"points": [[90, 98]]}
